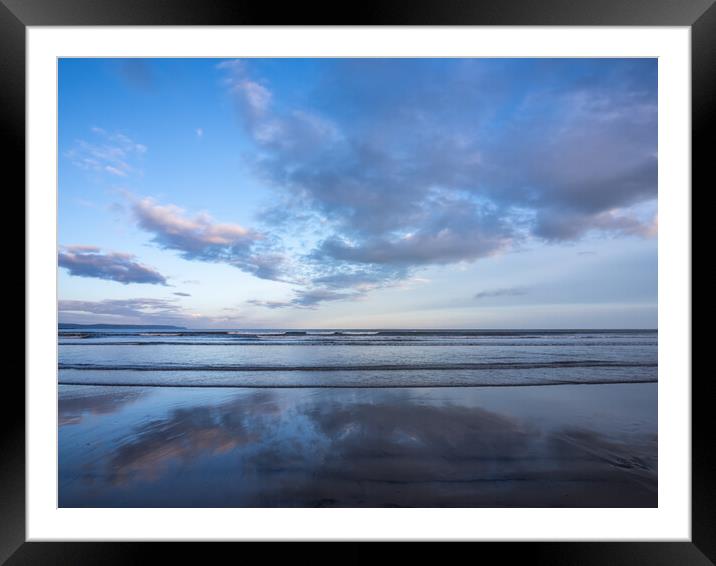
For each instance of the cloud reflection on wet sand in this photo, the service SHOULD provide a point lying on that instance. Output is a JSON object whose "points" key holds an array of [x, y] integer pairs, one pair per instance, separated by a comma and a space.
{"points": [[353, 448], [82, 401]]}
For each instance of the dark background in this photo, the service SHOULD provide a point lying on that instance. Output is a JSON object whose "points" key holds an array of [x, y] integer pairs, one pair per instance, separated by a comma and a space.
{"points": [[16, 15]]}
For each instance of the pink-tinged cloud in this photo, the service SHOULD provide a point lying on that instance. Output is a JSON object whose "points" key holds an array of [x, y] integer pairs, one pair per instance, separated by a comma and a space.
{"points": [[202, 238], [90, 261]]}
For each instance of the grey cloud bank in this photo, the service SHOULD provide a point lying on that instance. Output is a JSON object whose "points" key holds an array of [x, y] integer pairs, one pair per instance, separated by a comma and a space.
{"points": [[144, 310], [140, 308]]}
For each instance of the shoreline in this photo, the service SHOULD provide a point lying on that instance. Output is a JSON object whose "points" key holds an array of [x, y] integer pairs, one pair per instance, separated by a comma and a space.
{"points": [[407, 386]]}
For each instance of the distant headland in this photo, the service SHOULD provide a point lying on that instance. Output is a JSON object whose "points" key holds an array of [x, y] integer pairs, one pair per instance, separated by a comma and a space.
{"points": [[74, 326]]}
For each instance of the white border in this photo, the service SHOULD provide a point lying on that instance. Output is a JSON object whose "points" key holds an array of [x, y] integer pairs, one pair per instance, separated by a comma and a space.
{"points": [[671, 521]]}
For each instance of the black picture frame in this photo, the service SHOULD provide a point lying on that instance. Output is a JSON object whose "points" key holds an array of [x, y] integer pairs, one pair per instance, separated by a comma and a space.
{"points": [[17, 15]]}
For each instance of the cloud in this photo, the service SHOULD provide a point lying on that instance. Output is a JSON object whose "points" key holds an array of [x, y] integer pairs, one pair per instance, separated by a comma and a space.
{"points": [[90, 261], [134, 311], [199, 133], [421, 175], [454, 230], [450, 161], [143, 308], [149, 311], [308, 298], [505, 292], [571, 226], [201, 238], [137, 72], [180, 294], [112, 153], [251, 97]]}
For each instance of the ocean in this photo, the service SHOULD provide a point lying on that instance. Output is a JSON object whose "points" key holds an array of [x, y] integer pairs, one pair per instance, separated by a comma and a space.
{"points": [[339, 418], [347, 358]]}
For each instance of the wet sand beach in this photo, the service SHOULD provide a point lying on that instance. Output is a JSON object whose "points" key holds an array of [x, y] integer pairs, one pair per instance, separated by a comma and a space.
{"points": [[525, 446]]}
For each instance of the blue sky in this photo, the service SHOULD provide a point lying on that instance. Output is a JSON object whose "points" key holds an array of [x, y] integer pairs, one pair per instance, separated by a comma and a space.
{"points": [[358, 193]]}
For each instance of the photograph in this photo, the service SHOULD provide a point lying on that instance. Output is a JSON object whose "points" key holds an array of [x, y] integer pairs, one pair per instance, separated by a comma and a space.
{"points": [[357, 282]]}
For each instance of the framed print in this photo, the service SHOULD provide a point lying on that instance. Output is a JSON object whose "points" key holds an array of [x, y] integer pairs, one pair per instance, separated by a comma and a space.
{"points": [[421, 275]]}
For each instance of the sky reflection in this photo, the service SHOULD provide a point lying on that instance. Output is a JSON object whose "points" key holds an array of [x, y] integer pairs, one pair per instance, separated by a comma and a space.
{"points": [[395, 447]]}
